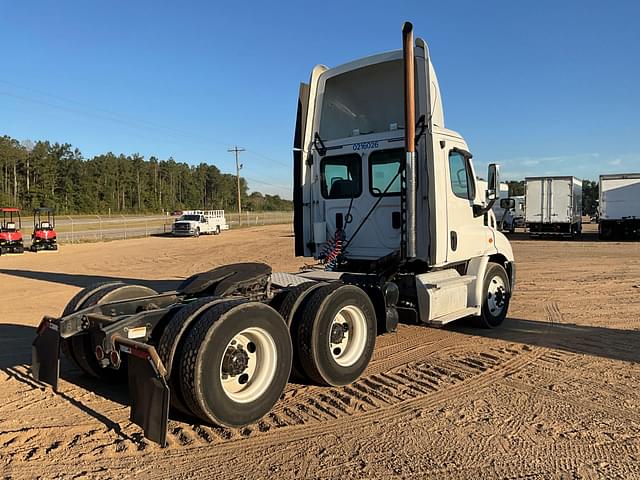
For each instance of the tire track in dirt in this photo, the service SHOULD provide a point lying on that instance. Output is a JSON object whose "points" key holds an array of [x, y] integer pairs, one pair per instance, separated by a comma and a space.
{"points": [[435, 379], [306, 407], [391, 396], [438, 372]]}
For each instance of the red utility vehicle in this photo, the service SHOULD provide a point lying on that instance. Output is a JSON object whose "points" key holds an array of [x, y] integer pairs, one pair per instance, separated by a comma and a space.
{"points": [[10, 234], [44, 236]]}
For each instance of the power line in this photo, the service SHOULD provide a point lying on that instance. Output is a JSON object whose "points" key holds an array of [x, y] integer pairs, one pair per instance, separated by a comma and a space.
{"points": [[287, 187], [288, 165], [110, 115]]}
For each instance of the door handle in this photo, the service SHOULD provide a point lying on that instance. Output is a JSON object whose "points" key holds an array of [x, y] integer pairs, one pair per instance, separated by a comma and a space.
{"points": [[454, 241]]}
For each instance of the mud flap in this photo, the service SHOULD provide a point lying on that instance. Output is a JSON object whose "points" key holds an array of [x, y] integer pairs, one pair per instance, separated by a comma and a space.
{"points": [[149, 393], [45, 354]]}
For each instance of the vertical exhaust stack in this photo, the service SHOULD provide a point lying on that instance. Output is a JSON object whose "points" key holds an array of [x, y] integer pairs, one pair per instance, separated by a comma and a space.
{"points": [[410, 137]]}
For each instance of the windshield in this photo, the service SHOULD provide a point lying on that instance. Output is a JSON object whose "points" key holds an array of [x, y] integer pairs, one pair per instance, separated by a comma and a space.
{"points": [[363, 101], [191, 218]]}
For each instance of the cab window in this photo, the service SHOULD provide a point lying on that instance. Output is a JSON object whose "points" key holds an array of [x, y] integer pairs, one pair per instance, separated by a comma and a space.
{"points": [[341, 176], [459, 172], [384, 166]]}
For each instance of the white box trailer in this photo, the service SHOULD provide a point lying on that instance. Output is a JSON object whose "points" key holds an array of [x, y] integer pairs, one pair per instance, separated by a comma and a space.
{"points": [[619, 208], [193, 223], [553, 205]]}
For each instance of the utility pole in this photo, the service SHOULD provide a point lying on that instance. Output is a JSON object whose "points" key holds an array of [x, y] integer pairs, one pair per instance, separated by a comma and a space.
{"points": [[237, 151]]}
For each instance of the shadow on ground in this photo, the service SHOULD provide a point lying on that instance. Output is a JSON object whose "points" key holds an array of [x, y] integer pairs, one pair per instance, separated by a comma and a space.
{"points": [[83, 281], [605, 342], [584, 237]]}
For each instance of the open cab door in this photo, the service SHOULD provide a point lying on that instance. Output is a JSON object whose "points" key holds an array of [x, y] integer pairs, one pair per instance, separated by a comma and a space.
{"points": [[302, 161]]}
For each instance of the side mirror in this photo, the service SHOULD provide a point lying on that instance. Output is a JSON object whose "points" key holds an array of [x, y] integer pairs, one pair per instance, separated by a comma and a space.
{"points": [[493, 182], [507, 203]]}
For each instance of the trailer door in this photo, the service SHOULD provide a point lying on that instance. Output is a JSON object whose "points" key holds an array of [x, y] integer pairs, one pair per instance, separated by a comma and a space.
{"points": [[561, 193], [535, 201]]}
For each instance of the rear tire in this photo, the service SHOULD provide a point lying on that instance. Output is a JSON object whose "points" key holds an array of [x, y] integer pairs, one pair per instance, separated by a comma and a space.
{"points": [[335, 334], [171, 343], [235, 363], [290, 306], [80, 348], [497, 294]]}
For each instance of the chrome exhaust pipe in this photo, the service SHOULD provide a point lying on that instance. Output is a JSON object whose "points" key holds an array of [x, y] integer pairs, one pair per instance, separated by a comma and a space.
{"points": [[410, 136]]}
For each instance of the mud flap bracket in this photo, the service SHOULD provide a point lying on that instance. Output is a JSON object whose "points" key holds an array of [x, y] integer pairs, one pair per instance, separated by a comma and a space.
{"points": [[148, 389], [45, 353]]}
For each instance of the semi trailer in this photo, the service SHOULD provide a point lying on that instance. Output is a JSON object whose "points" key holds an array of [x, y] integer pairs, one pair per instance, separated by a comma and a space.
{"points": [[619, 208], [553, 206], [387, 203]]}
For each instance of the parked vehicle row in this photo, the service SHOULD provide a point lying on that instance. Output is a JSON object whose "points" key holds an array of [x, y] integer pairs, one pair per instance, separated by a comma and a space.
{"points": [[553, 206]]}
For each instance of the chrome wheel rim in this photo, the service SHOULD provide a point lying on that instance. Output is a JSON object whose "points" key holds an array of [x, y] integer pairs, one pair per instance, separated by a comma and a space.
{"points": [[496, 296], [348, 335]]}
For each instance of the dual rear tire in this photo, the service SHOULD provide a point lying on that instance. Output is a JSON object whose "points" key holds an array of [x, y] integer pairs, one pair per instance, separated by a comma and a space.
{"points": [[333, 334], [234, 364], [80, 349]]}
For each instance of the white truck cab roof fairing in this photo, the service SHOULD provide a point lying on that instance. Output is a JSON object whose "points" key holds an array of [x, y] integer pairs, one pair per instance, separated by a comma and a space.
{"points": [[358, 108]]}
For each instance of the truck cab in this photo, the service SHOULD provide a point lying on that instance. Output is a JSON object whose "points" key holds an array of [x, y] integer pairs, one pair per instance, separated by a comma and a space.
{"points": [[385, 199], [351, 187], [189, 224]]}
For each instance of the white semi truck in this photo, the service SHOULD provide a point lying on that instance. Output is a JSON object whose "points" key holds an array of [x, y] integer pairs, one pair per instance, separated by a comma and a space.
{"points": [[619, 208], [518, 210], [398, 225], [503, 215], [553, 206], [193, 223], [511, 214]]}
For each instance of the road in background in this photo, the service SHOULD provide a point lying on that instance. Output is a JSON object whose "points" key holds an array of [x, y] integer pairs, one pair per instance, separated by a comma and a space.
{"points": [[95, 228]]}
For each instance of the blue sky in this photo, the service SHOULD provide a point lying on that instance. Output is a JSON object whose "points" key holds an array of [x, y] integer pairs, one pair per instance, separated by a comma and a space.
{"points": [[542, 87]]}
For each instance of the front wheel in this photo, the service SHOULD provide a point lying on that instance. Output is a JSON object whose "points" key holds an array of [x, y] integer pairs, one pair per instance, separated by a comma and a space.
{"points": [[197, 234], [497, 293]]}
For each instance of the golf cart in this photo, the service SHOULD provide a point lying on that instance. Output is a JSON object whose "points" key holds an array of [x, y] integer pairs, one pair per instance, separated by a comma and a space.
{"points": [[10, 234], [44, 235]]}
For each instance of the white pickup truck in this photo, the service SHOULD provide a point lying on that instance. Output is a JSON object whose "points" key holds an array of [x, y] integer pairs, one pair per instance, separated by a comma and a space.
{"points": [[192, 223]]}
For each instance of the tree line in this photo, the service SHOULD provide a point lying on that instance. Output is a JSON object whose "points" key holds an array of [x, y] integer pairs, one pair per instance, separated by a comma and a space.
{"points": [[57, 175]]}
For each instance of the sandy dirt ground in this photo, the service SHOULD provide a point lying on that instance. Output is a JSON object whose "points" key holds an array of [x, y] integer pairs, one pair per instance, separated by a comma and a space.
{"points": [[554, 393]]}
